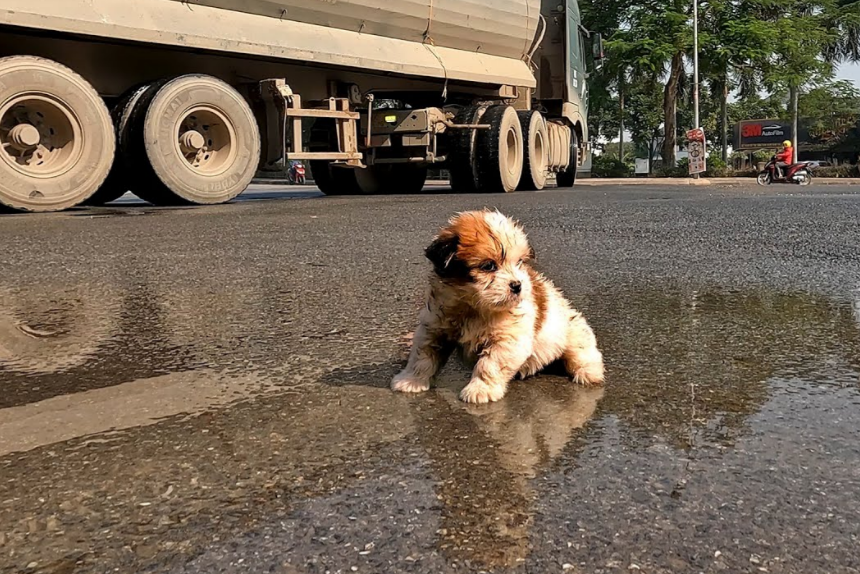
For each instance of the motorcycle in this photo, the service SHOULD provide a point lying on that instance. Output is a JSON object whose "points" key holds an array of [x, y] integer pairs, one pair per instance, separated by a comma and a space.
{"points": [[297, 174], [797, 173]]}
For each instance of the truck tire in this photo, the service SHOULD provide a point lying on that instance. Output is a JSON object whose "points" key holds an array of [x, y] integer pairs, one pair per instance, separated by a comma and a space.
{"points": [[200, 142], [391, 179], [120, 180], [329, 179], [567, 177], [535, 158], [333, 180], [56, 135], [461, 153], [499, 151]]}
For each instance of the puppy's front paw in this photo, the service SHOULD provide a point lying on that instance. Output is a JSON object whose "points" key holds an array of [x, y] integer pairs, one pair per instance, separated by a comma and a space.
{"points": [[407, 383], [479, 392]]}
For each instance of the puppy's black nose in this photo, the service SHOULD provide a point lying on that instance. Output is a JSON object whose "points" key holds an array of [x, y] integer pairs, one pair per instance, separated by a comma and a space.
{"points": [[516, 287]]}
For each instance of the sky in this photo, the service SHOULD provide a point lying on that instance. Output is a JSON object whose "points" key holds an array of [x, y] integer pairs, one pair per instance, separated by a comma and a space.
{"points": [[849, 72]]}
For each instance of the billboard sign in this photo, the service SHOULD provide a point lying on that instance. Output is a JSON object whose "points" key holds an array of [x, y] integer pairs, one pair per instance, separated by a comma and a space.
{"points": [[696, 149], [761, 134]]}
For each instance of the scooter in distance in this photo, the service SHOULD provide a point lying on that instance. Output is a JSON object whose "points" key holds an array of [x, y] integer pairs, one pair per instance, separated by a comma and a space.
{"points": [[296, 174], [796, 173]]}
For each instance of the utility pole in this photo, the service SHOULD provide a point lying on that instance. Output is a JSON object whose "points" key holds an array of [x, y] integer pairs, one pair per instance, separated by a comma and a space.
{"points": [[696, 69], [696, 64]]}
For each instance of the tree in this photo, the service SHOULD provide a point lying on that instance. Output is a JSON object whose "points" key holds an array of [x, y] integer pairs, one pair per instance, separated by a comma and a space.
{"points": [[836, 98], [656, 37], [809, 37], [830, 112], [843, 18], [645, 118], [607, 86], [731, 42], [755, 107]]}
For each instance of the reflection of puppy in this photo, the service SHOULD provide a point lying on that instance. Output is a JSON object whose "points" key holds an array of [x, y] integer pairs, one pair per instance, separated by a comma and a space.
{"points": [[510, 318]]}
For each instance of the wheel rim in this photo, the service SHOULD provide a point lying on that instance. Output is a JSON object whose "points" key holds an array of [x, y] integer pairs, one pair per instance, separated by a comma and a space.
{"points": [[763, 178], [206, 138], [40, 136], [805, 179], [540, 156], [512, 152]]}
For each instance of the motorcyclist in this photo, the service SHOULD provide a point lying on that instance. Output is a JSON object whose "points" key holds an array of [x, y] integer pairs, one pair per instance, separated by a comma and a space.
{"points": [[293, 167], [784, 158]]}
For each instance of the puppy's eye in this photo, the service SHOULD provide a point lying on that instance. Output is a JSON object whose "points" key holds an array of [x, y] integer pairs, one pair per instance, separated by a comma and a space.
{"points": [[489, 266]]}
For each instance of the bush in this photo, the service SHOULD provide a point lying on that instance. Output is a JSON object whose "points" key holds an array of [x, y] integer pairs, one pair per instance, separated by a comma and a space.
{"points": [[602, 166], [681, 170], [836, 171], [743, 173], [763, 155], [717, 167]]}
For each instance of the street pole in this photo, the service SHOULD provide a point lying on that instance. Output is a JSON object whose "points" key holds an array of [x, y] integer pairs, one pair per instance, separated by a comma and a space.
{"points": [[696, 64], [696, 68]]}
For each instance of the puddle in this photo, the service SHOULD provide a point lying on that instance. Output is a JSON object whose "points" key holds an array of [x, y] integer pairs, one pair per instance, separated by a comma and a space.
{"points": [[198, 432], [126, 405]]}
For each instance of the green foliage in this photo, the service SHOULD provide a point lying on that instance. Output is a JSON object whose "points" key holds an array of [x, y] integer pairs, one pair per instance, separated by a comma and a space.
{"points": [[837, 98], [836, 171], [762, 156], [610, 150], [716, 167], [603, 166], [758, 108], [681, 170], [746, 46], [645, 116]]}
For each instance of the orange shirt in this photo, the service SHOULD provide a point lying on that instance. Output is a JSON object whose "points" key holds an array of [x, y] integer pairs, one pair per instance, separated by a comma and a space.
{"points": [[785, 155]]}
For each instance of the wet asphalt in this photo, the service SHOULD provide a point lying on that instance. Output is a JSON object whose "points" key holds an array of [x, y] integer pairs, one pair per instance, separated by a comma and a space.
{"points": [[205, 390]]}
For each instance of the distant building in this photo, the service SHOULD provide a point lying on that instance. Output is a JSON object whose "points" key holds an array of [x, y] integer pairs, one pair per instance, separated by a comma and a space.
{"points": [[835, 140]]}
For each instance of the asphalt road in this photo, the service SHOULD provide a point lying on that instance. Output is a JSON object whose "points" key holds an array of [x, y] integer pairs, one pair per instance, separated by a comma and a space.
{"points": [[205, 390]]}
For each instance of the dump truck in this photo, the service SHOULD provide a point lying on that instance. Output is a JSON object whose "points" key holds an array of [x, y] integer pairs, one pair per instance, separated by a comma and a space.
{"points": [[184, 101]]}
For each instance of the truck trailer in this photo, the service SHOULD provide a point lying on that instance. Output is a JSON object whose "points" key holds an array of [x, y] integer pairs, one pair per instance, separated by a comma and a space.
{"points": [[184, 101]]}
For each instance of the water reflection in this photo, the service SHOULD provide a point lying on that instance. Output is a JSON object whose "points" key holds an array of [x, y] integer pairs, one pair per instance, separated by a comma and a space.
{"points": [[484, 458], [494, 485], [701, 360], [72, 340], [43, 331]]}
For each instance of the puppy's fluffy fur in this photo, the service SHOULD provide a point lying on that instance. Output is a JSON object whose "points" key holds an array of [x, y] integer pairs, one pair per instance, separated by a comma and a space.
{"points": [[485, 297]]}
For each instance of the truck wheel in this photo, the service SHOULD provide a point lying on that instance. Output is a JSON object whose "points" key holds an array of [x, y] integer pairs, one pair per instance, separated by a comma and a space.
{"points": [[120, 179], [461, 155], [535, 158], [567, 177], [56, 137], [499, 151], [200, 140], [332, 180], [409, 178], [391, 179]]}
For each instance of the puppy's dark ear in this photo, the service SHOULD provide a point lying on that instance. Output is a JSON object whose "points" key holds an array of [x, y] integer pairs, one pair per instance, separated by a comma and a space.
{"points": [[442, 253]]}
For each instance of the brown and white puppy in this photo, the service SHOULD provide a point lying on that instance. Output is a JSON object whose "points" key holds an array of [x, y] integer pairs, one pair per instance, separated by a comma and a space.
{"points": [[485, 297]]}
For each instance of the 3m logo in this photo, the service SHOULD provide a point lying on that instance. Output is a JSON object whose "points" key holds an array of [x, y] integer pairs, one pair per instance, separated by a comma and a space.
{"points": [[751, 130]]}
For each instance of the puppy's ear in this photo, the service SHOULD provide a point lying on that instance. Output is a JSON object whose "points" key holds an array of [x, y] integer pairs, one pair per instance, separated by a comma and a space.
{"points": [[442, 253]]}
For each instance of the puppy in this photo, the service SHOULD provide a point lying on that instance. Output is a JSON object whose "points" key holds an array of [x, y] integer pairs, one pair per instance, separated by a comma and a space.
{"points": [[509, 319]]}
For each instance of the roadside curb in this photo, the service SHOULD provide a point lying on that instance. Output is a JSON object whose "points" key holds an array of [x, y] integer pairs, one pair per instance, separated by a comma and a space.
{"points": [[668, 181], [598, 182], [679, 181]]}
